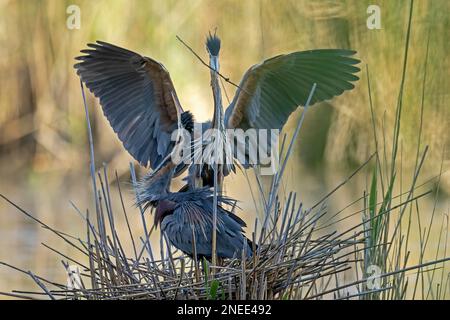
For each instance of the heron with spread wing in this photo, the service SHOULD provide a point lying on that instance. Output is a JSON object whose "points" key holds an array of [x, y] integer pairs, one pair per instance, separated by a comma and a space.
{"points": [[139, 99]]}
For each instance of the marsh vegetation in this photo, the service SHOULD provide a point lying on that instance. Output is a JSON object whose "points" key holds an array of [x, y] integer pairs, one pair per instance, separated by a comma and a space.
{"points": [[365, 190]]}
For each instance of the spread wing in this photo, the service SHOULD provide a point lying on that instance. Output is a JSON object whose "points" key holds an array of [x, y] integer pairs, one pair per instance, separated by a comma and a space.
{"points": [[272, 90], [137, 97]]}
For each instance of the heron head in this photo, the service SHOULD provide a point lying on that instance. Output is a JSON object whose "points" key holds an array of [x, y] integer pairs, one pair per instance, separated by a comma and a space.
{"points": [[154, 186], [163, 208], [213, 48]]}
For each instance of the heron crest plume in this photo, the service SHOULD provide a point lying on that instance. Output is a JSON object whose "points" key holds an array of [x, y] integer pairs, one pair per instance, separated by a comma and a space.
{"points": [[213, 44]]}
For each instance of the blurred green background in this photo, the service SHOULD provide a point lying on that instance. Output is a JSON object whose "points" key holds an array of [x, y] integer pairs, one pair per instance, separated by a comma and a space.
{"points": [[43, 139]]}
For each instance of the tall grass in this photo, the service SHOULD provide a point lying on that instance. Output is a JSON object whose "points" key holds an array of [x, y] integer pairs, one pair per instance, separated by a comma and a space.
{"points": [[301, 252]]}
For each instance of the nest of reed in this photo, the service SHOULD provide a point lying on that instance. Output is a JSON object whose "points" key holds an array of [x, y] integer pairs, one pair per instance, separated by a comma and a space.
{"points": [[294, 257]]}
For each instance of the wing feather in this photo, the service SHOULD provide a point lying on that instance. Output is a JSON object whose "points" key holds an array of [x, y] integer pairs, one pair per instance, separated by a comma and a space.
{"points": [[137, 97], [270, 91]]}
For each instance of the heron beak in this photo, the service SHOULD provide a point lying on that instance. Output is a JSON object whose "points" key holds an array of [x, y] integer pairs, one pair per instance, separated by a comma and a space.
{"points": [[214, 62]]}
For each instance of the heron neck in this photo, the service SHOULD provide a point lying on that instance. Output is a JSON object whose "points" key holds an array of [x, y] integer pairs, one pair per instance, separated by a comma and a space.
{"points": [[218, 108]]}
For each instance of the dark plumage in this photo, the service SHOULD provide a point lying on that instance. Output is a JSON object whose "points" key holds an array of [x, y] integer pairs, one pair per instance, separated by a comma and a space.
{"points": [[187, 121], [213, 44], [183, 213], [188, 214], [137, 97]]}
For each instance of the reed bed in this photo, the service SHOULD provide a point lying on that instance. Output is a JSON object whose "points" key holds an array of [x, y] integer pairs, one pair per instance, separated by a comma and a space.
{"points": [[296, 257], [299, 252]]}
